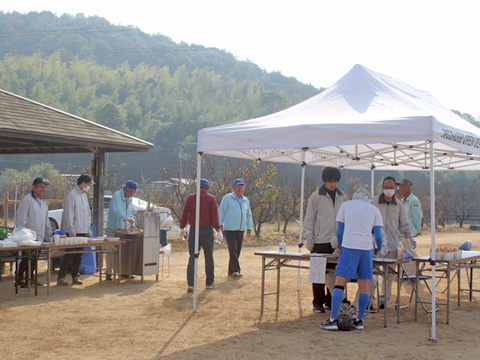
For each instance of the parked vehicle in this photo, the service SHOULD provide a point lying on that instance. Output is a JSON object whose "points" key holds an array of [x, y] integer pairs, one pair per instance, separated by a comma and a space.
{"points": [[139, 205]]}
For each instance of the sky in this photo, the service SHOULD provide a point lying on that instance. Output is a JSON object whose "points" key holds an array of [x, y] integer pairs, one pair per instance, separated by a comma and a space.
{"points": [[429, 44]]}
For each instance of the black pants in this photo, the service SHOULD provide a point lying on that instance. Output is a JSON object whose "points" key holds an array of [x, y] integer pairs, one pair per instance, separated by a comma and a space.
{"points": [[319, 296], [23, 267], [234, 242], [77, 261]]}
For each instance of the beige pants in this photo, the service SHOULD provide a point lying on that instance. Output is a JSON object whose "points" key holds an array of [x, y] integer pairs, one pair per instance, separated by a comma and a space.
{"points": [[409, 267], [386, 294]]}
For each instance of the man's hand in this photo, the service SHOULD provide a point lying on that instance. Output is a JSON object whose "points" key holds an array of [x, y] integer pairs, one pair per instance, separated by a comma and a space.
{"points": [[413, 243], [249, 232], [219, 236], [182, 233], [309, 244]]}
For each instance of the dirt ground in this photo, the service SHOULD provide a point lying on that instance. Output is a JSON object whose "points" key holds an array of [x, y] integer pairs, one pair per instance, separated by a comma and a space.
{"points": [[155, 320]]}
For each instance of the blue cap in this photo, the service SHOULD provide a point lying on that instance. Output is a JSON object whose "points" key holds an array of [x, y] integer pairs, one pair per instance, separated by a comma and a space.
{"points": [[204, 183], [239, 182], [132, 185], [397, 191]]}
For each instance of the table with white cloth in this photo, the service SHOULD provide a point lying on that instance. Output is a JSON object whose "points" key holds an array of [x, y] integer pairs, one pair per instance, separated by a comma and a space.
{"points": [[100, 248], [277, 260], [469, 260]]}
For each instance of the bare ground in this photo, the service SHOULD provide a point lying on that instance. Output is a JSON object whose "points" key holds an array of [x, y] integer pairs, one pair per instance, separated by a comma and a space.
{"points": [[154, 320]]}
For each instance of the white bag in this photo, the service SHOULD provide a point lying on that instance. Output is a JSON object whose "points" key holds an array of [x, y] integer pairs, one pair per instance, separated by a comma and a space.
{"points": [[24, 236]]}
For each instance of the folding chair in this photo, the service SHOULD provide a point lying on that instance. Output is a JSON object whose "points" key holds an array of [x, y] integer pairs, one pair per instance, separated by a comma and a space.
{"points": [[411, 280]]}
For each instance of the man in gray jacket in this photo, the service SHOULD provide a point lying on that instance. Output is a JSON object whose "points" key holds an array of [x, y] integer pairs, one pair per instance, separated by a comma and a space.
{"points": [[32, 213], [76, 222], [320, 226], [395, 222]]}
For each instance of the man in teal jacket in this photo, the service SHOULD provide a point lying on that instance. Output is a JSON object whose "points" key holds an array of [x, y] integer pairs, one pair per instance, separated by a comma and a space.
{"points": [[235, 217], [120, 215]]}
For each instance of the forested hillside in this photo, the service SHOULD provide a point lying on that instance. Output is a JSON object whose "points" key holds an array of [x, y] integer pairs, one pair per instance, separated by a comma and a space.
{"points": [[144, 85]]}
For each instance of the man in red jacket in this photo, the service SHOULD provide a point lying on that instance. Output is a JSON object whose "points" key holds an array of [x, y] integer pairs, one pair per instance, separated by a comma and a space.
{"points": [[208, 222]]}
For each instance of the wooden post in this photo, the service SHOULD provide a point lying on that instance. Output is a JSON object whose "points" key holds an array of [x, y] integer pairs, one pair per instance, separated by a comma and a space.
{"points": [[5, 210]]}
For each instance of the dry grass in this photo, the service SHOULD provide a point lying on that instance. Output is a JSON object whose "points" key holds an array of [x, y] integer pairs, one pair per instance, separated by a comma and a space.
{"points": [[153, 320]]}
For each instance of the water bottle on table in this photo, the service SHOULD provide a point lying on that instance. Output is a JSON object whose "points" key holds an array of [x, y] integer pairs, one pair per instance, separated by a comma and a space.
{"points": [[283, 246]]}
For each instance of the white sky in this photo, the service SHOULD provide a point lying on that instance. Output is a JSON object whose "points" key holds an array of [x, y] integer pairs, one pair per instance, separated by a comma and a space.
{"points": [[429, 44]]}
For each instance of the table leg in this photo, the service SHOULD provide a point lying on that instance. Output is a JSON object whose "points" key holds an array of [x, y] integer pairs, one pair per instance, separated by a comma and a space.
{"points": [[385, 303], [448, 293], [49, 260], [119, 253], [459, 288], [262, 294], [36, 272], [399, 286], [470, 282], [100, 262], [29, 269], [278, 285], [417, 272]]}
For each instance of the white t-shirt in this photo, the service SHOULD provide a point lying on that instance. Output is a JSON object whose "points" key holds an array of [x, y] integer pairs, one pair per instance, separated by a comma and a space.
{"points": [[359, 218]]}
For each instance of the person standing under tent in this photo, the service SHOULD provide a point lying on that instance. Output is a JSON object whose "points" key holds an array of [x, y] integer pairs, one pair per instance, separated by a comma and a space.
{"points": [[76, 222], [395, 222], [320, 228], [120, 217], [32, 213], [235, 217], [207, 222], [356, 219]]}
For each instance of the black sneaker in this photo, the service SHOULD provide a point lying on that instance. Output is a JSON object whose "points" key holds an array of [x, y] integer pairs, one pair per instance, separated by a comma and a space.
{"points": [[358, 324], [327, 307], [109, 277], [329, 325], [318, 308]]}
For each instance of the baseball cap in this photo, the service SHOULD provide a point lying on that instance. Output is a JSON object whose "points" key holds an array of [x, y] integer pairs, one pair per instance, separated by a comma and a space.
{"points": [[85, 178], [132, 185], [40, 180], [204, 182], [405, 182], [239, 182]]}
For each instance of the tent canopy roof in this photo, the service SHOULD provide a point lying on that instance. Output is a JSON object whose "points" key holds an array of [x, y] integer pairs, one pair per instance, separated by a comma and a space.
{"points": [[28, 127], [364, 120]]}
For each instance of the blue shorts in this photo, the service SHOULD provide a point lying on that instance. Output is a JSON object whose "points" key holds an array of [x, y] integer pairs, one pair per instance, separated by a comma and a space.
{"points": [[352, 262]]}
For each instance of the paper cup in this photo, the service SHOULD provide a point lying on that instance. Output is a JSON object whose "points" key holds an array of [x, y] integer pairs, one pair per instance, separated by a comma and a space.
{"points": [[56, 239]]}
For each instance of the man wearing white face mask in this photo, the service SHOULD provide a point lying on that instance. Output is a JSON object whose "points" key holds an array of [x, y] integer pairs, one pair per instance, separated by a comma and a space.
{"points": [[395, 222], [76, 222]]}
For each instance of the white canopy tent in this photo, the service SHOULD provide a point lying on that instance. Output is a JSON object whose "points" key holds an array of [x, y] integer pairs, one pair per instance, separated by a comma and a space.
{"points": [[364, 121]]}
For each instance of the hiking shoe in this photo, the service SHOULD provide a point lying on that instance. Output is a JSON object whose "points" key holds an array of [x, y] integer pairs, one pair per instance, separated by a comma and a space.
{"points": [[212, 286], [61, 282], [358, 324], [76, 281], [329, 325], [237, 275], [22, 285], [318, 308], [327, 307], [109, 277], [190, 289]]}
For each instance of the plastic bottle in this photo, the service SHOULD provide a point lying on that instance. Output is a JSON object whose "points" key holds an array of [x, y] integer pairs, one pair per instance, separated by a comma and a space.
{"points": [[283, 246]]}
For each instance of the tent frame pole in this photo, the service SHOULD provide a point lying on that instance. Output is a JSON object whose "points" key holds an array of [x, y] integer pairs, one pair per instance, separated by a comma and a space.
{"points": [[197, 229], [432, 231]]}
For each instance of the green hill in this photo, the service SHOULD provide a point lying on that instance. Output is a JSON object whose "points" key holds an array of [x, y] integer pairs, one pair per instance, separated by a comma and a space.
{"points": [[144, 85]]}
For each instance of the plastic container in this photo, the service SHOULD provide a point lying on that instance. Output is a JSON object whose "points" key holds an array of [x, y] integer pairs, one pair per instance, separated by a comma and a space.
{"points": [[3, 232], [283, 246], [400, 253]]}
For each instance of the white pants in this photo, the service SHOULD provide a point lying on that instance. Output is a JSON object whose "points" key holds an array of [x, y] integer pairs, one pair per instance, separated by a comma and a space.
{"points": [[110, 259]]}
